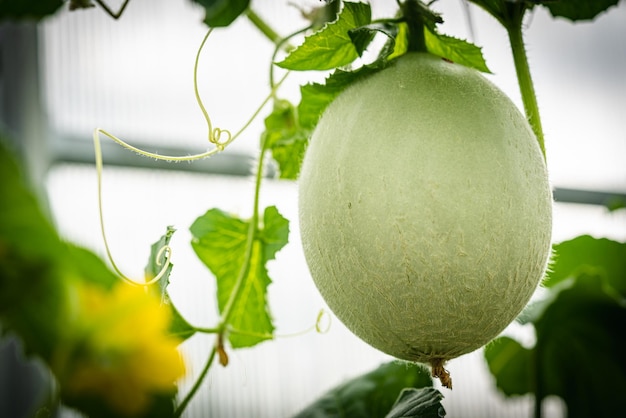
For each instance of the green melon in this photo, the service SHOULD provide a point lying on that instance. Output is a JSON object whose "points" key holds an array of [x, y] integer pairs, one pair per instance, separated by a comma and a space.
{"points": [[425, 209]]}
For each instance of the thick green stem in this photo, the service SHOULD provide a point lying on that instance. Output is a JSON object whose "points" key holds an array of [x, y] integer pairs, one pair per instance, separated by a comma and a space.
{"points": [[183, 405], [239, 283], [538, 379], [418, 17], [252, 235], [525, 81], [414, 18], [262, 25]]}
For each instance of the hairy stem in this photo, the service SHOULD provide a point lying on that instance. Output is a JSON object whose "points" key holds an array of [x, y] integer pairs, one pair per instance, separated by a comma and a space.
{"points": [[284, 45], [252, 235], [415, 24], [418, 16], [262, 25], [525, 81], [181, 407], [235, 294]]}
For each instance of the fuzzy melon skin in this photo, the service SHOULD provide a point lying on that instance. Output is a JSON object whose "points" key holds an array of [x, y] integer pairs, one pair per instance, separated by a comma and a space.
{"points": [[425, 209]]}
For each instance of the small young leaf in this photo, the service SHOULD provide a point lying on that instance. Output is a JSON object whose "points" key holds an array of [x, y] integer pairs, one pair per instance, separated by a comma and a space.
{"points": [[157, 261], [456, 50], [330, 47], [418, 403], [286, 139], [361, 38], [178, 326], [220, 241], [576, 10], [221, 13], [369, 395]]}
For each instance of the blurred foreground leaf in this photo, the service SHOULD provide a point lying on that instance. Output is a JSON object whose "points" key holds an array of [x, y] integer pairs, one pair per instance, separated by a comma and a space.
{"points": [[32, 295], [220, 241], [42, 300], [579, 353], [370, 395], [578, 9], [28, 9], [511, 364], [508, 11], [418, 403]]}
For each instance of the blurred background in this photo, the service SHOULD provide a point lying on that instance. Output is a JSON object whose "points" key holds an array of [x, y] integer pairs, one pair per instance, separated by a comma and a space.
{"points": [[75, 71]]}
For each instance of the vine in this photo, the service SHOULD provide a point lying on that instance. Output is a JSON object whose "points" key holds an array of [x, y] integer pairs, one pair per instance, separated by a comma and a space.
{"points": [[164, 254], [214, 137]]}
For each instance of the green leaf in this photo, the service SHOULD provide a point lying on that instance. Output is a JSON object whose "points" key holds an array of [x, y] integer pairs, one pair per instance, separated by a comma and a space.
{"points": [[28, 9], [286, 139], [585, 254], [576, 10], [361, 37], [36, 271], [220, 241], [315, 97], [589, 322], [81, 4], [161, 406], [23, 225], [418, 403], [330, 47], [509, 13], [512, 365], [456, 50], [32, 294], [221, 13], [369, 395], [90, 267], [579, 350], [616, 204], [400, 42], [156, 262], [178, 326]]}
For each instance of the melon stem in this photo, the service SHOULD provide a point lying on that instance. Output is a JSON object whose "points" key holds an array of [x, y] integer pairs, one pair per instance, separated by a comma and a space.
{"points": [[438, 371], [417, 16]]}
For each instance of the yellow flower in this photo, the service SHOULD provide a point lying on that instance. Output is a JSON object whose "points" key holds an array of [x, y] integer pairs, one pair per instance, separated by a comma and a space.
{"points": [[117, 349]]}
